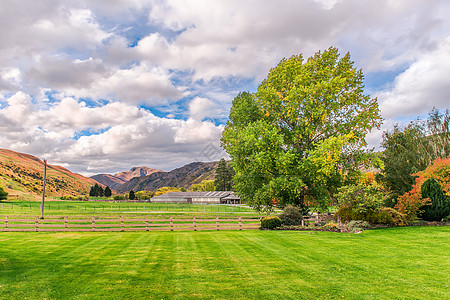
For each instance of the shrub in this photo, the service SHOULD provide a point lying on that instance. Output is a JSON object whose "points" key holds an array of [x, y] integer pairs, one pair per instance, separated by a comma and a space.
{"points": [[357, 225], [70, 197], [119, 197], [291, 216], [270, 222], [439, 206], [3, 194], [330, 226], [396, 217], [361, 198]]}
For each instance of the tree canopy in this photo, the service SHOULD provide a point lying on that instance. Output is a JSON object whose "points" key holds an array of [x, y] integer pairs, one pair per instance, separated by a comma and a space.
{"points": [[302, 130], [411, 149], [204, 186]]}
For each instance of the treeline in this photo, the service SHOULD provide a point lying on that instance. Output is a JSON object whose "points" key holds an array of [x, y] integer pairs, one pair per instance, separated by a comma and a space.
{"points": [[98, 191]]}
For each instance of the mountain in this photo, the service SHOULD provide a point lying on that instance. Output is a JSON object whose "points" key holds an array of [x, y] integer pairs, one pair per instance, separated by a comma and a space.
{"points": [[108, 180], [114, 181], [181, 177], [23, 174], [136, 172]]}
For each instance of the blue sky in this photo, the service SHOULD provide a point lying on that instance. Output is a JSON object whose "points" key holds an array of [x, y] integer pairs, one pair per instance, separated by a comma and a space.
{"points": [[102, 86]]}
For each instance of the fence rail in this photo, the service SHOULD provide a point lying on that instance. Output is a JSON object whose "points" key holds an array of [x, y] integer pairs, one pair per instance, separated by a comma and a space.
{"points": [[136, 223]]}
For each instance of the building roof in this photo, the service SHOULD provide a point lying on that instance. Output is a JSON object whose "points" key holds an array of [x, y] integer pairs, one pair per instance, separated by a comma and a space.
{"points": [[184, 195]]}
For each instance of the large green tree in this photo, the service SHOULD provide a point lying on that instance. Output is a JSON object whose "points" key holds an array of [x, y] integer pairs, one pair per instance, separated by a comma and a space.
{"points": [[305, 127]]}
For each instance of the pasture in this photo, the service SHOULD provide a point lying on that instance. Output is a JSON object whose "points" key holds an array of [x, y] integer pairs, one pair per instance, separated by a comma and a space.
{"points": [[64, 207], [393, 263]]}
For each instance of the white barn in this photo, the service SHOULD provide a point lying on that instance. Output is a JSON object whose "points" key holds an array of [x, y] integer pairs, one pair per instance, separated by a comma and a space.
{"points": [[227, 197]]}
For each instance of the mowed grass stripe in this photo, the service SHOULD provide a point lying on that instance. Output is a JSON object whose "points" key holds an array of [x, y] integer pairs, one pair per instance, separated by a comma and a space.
{"points": [[397, 263]]}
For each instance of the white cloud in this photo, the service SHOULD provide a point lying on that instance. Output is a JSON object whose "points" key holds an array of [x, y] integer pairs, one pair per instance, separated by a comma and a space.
{"points": [[424, 85], [122, 133]]}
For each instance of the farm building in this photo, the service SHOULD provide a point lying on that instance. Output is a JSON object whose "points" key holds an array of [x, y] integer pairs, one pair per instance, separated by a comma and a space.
{"points": [[198, 198]]}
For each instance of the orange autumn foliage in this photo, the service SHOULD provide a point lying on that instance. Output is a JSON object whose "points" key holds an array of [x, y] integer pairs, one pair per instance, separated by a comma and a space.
{"points": [[411, 202]]}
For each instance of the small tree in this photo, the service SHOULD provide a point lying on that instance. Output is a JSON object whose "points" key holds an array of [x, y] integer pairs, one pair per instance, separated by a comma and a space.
{"points": [[3, 194], [107, 192], [100, 192], [224, 176], [93, 191], [131, 195], [439, 206]]}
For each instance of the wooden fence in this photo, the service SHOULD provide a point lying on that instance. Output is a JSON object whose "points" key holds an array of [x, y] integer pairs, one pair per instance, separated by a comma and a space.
{"points": [[135, 223]]}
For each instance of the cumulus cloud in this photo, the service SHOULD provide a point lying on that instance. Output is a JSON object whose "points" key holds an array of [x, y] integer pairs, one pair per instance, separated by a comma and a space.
{"points": [[73, 74], [119, 134]]}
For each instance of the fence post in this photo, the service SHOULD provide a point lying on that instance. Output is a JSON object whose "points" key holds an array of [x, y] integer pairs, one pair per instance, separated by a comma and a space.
{"points": [[66, 227], [195, 224], [36, 223], [121, 223], [6, 223], [171, 224], [217, 222], [303, 222], [240, 223], [146, 223], [93, 223]]}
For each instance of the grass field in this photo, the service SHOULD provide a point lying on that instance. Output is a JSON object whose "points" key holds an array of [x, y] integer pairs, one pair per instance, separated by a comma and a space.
{"points": [[395, 263], [58, 207]]}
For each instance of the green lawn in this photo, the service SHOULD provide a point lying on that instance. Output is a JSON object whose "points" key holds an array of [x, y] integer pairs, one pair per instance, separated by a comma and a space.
{"points": [[395, 263], [59, 207]]}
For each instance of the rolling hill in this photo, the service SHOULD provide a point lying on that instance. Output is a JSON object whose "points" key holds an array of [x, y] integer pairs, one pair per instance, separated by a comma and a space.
{"points": [[22, 174]]}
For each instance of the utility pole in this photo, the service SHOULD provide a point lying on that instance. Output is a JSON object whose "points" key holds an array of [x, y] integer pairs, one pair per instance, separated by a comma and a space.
{"points": [[43, 189]]}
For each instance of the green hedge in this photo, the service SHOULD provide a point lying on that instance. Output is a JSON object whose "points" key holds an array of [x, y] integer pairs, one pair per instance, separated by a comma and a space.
{"points": [[270, 222]]}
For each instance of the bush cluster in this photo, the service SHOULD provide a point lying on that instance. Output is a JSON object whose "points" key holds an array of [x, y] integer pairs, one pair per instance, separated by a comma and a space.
{"points": [[331, 226], [358, 202], [384, 215], [270, 222], [357, 225], [70, 197]]}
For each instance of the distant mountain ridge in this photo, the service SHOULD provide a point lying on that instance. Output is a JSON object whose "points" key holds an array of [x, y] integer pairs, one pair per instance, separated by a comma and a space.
{"points": [[22, 173], [115, 181], [181, 177]]}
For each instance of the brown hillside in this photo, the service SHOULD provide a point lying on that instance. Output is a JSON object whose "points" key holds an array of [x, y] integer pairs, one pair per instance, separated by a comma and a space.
{"points": [[23, 173], [136, 172]]}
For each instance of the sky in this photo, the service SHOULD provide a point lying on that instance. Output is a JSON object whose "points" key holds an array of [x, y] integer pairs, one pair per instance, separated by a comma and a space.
{"points": [[100, 86]]}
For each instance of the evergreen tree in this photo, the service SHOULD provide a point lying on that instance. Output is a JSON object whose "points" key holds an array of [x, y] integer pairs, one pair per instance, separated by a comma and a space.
{"points": [[131, 195], [100, 192], [107, 192], [439, 206], [94, 190], [3, 194], [224, 176]]}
